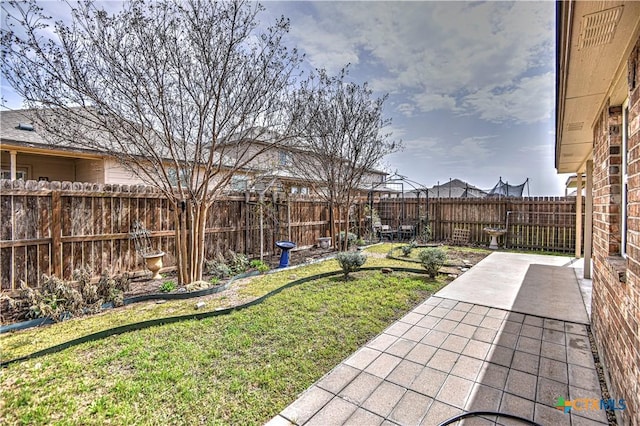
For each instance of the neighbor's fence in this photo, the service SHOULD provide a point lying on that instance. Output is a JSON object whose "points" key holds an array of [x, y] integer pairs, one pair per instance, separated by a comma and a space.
{"points": [[55, 228]]}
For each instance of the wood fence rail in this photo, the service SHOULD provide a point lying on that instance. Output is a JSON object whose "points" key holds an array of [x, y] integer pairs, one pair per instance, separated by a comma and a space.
{"points": [[57, 227]]}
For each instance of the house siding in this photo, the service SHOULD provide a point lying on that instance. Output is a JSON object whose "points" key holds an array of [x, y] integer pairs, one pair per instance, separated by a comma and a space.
{"points": [[616, 280], [37, 166]]}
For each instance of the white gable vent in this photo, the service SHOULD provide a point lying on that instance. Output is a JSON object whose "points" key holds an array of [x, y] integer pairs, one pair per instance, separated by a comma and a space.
{"points": [[598, 28]]}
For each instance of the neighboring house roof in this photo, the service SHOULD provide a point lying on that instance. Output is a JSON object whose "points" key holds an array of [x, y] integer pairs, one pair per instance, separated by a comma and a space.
{"points": [[456, 188]]}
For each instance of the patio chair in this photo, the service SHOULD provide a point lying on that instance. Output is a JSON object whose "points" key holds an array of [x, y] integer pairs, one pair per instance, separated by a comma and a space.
{"points": [[406, 232], [387, 233]]}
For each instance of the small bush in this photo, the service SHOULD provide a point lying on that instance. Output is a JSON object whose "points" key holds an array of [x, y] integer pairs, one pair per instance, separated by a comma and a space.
{"points": [[351, 238], [167, 286], [214, 280], [432, 260], [360, 242], [238, 262], [259, 265], [406, 250], [217, 269], [350, 262]]}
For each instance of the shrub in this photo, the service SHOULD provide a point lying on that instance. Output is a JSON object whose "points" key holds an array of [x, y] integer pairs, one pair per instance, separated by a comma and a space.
{"points": [[350, 262], [214, 280], [167, 286], [259, 265], [217, 269], [360, 242], [351, 238], [238, 262], [432, 260], [406, 250]]}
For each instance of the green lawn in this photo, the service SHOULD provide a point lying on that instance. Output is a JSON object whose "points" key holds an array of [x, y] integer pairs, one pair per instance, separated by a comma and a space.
{"points": [[241, 368]]}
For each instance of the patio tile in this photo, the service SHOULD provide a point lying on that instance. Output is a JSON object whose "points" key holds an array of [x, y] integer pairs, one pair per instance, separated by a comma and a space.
{"points": [[554, 370], [312, 400], [445, 325], [585, 378], [447, 303], [472, 318], [553, 336], [483, 398], [553, 324], [549, 391], [491, 323], [434, 338], [507, 340], [476, 349], [515, 317], [500, 355], [484, 335], [531, 331], [545, 415], [527, 344], [580, 357], [383, 365], [497, 313], [428, 322], [398, 328], [493, 375], [513, 404], [279, 421], [421, 353], [411, 409], [464, 330], [443, 360], [363, 417], [362, 358], [336, 412], [467, 367], [577, 420], [438, 413], [533, 320], [405, 373], [455, 391], [512, 327], [463, 306], [401, 347], [526, 362], [454, 315], [521, 384], [384, 399], [382, 342], [480, 310], [553, 351], [416, 333], [337, 379], [454, 343], [578, 342], [360, 388], [579, 329], [439, 312], [412, 318], [592, 414], [423, 308], [428, 382], [433, 301]]}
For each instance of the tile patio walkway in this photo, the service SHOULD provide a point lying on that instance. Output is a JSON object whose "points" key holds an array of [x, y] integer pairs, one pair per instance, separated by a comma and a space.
{"points": [[448, 356]]}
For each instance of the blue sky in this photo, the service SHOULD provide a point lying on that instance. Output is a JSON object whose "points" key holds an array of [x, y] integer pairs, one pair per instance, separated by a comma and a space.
{"points": [[471, 85]]}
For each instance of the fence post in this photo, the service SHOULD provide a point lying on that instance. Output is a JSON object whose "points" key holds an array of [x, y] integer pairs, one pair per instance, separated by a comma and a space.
{"points": [[56, 233]]}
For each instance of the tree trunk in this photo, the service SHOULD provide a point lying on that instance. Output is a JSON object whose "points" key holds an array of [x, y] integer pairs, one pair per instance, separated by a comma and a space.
{"points": [[190, 220]]}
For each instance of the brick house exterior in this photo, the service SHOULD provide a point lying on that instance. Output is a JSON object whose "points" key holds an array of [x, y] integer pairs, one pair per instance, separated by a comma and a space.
{"points": [[611, 114]]}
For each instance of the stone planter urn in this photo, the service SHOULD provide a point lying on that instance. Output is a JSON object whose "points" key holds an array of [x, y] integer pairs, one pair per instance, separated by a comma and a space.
{"points": [[324, 242], [154, 264]]}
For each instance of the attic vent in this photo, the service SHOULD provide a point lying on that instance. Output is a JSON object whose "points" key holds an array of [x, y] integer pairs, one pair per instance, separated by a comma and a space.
{"points": [[598, 28], [25, 126], [572, 127]]}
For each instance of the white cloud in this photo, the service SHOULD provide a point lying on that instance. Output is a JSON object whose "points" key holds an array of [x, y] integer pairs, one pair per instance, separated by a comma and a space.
{"points": [[441, 55]]}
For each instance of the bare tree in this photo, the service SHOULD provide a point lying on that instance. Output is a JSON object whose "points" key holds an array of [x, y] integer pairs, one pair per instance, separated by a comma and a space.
{"points": [[343, 140], [172, 88]]}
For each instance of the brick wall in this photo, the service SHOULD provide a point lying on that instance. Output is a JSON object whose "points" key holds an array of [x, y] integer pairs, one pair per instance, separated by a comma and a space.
{"points": [[616, 280]]}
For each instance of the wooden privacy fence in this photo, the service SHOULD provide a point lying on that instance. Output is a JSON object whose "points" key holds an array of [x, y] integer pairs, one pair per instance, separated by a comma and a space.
{"points": [[55, 228]]}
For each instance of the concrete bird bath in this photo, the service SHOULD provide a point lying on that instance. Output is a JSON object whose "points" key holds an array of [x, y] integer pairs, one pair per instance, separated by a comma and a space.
{"points": [[494, 233]]}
